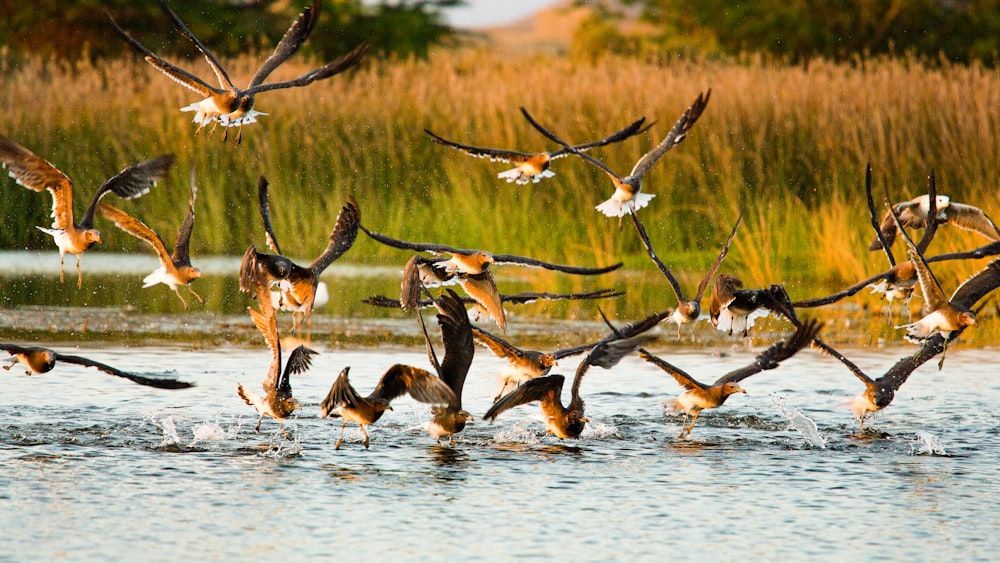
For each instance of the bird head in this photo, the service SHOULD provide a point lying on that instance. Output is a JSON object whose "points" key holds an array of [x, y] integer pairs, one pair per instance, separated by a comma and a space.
{"points": [[548, 361], [91, 237], [730, 388], [246, 103], [966, 318]]}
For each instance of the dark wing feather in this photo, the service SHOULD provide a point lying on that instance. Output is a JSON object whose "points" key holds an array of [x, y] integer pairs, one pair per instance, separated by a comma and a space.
{"points": [[533, 263], [656, 259], [265, 215], [677, 134], [289, 44], [977, 287], [342, 237], [607, 355], [130, 183], [991, 249], [502, 155], [516, 298], [880, 240], [567, 147], [820, 301], [159, 383], [634, 128], [533, 390], [299, 361], [15, 348], [415, 246], [777, 353], [868, 381], [220, 72], [682, 377], [324, 72], [341, 394], [459, 349], [421, 384], [718, 261], [182, 248], [933, 294]]}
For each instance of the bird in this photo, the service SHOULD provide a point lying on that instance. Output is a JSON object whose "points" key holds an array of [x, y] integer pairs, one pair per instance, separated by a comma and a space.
{"points": [[471, 268], [175, 269], [523, 365], [298, 288], [734, 309], [400, 379], [913, 214], [459, 350], [688, 310], [40, 360], [38, 174], [700, 396], [945, 316], [628, 195], [532, 167], [567, 421], [277, 401], [229, 105]]}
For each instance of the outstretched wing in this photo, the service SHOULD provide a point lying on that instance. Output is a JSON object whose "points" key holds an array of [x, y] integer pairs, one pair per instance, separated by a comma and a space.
{"points": [[342, 237], [136, 228], [607, 355], [267, 324], [567, 147], [718, 261], [130, 183], [501, 155], [973, 219], [341, 394], [677, 134], [299, 361], [182, 248], [158, 382], [933, 294], [213, 62], [633, 129], [500, 347], [641, 229], [880, 238], [777, 353], [682, 377], [38, 174], [416, 246], [456, 331], [265, 215], [324, 72], [537, 389], [289, 44], [421, 384], [533, 263]]}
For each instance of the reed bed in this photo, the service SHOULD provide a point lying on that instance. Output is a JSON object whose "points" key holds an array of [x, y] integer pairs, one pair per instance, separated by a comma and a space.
{"points": [[790, 142]]}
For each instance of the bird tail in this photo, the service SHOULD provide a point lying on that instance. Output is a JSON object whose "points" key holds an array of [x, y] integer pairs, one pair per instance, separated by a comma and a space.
{"points": [[616, 208]]}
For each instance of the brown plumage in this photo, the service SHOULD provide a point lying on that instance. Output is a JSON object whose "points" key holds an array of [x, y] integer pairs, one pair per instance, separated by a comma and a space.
{"points": [[456, 332], [38, 174], [732, 309], [229, 105], [175, 269], [700, 396], [43, 360]]}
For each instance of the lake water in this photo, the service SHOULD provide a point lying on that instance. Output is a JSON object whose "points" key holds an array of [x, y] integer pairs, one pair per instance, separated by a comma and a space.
{"points": [[97, 468]]}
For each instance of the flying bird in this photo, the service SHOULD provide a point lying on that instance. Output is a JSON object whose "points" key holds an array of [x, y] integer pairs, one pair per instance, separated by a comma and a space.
{"points": [[532, 167], [229, 105], [38, 174], [628, 194], [41, 360], [700, 396], [913, 214], [688, 310], [298, 285], [175, 269], [471, 268], [566, 421], [732, 309]]}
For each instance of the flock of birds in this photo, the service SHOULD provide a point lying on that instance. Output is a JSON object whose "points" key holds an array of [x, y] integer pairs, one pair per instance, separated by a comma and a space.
{"points": [[276, 282]]}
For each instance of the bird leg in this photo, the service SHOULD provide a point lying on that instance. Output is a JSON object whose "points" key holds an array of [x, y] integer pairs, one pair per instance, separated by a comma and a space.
{"points": [[683, 424], [196, 296], [363, 431], [79, 274], [9, 363], [177, 291], [341, 439], [691, 426], [944, 352], [259, 420]]}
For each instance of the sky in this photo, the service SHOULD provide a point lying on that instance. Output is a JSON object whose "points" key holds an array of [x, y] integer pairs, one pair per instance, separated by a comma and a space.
{"points": [[484, 13]]}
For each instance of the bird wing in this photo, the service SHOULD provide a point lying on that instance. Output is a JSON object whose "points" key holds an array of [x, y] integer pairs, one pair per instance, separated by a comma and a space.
{"points": [[633, 129], [500, 347], [321, 73], [267, 324], [341, 394], [978, 286], [533, 263], [182, 248], [130, 183], [888, 225], [607, 355], [483, 288], [158, 382], [776, 353], [820, 301], [177, 74], [826, 348], [459, 349], [538, 389], [641, 229], [38, 174], [880, 241], [136, 228], [13, 349], [416, 246], [933, 294], [973, 219], [299, 361], [501, 155], [682, 377], [677, 134], [718, 261], [265, 215], [289, 44], [213, 62], [569, 148], [342, 237], [421, 384]]}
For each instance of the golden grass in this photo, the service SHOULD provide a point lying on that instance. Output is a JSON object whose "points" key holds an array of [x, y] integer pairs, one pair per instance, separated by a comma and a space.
{"points": [[792, 142]]}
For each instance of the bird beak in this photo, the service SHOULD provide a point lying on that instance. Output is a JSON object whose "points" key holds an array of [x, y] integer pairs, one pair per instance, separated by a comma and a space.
{"points": [[587, 420]]}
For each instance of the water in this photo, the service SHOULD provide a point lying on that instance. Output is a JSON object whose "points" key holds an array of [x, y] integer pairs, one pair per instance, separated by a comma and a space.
{"points": [[94, 467]]}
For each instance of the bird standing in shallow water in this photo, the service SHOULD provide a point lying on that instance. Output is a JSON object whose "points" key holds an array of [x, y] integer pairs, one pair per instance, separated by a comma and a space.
{"points": [[532, 167], [628, 194], [42, 360], [38, 174], [700, 396], [228, 105], [175, 269], [456, 331]]}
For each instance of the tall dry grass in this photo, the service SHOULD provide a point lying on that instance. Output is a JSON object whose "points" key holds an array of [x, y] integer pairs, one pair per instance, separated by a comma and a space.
{"points": [[790, 142]]}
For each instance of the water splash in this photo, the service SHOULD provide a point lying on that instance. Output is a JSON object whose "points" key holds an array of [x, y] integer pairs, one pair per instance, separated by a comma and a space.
{"points": [[925, 443], [170, 436], [600, 430], [800, 422], [213, 432], [517, 434]]}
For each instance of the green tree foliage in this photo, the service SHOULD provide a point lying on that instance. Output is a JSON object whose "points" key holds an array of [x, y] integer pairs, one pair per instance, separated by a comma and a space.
{"points": [[69, 30], [958, 30]]}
